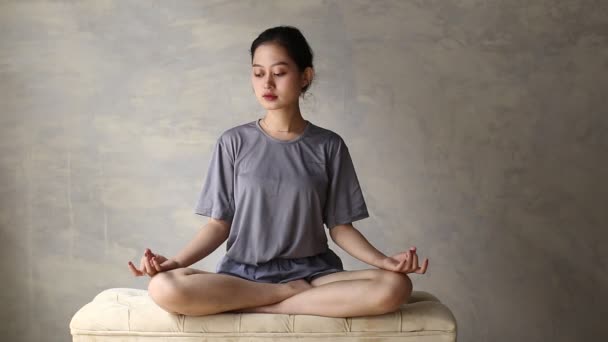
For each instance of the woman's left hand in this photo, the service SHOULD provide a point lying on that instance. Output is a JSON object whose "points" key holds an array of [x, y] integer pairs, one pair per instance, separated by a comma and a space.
{"points": [[405, 262]]}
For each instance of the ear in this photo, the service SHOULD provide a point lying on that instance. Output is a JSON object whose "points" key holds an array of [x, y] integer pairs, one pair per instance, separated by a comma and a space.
{"points": [[308, 76]]}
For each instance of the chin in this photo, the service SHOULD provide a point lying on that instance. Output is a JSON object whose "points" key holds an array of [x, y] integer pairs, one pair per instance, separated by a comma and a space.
{"points": [[267, 105]]}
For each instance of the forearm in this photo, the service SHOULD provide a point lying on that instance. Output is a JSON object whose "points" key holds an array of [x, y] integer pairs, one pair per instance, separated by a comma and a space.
{"points": [[207, 240], [354, 243]]}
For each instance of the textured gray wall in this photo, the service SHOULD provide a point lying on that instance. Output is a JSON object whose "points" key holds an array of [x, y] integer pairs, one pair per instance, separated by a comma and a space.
{"points": [[478, 130]]}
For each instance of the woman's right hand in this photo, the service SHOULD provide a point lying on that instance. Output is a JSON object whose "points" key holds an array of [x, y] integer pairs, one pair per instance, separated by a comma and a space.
{"points": [[151, 264]]}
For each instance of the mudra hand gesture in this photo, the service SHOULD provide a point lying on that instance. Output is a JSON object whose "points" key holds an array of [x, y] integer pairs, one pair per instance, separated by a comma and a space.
{"points": [[152, 264], [405, 262]]}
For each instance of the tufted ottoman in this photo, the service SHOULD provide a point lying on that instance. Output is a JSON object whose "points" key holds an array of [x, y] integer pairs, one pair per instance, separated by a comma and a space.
{"points": [[123, 314]]}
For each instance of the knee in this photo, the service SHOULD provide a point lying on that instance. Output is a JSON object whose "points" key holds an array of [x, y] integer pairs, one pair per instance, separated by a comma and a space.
{"points": [[165, 291], [396, 288]]}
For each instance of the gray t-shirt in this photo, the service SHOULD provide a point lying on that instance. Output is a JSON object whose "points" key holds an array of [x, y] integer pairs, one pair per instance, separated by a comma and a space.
{"points": [[278, 194]]}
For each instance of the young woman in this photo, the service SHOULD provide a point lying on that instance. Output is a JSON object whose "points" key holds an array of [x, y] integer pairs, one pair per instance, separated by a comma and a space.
{"points": [[271, 186]]}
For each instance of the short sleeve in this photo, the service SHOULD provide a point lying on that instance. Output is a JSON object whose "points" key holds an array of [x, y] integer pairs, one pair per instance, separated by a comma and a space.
{"points": [[216, 198], [345, 202]]}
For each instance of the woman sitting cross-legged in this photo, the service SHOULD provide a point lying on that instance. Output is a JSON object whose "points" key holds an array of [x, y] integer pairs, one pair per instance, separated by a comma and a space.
{"points": [[271, 186]]}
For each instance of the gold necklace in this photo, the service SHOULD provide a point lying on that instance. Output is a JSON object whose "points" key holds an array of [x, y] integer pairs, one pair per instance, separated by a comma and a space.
{"points": [[276, 130]]}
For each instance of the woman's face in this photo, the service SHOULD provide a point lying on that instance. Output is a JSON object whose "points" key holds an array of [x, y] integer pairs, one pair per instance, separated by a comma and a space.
{"points": [[274, 72]]}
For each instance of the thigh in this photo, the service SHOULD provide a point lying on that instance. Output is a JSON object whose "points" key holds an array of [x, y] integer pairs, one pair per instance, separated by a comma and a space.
{"points": [[172, 279], [187, 282], [347, 275], [182, 271], [194, 292]]}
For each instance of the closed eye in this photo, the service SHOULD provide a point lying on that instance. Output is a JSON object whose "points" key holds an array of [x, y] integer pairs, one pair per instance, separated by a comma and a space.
{"points": [[260, 75]]}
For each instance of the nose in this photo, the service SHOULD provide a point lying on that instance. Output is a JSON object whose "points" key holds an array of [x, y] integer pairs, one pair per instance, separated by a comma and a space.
{"points": [[268, 81]]}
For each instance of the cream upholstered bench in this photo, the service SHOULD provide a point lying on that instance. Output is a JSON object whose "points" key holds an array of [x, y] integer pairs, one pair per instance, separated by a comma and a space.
{"points": [[123, 314]]}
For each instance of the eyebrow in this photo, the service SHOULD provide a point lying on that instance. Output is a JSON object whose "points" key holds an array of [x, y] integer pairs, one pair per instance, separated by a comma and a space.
{"points": [[277, 63]]}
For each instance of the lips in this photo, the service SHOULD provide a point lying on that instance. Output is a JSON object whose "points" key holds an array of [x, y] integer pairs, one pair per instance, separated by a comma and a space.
{"points": [[269, 96]]}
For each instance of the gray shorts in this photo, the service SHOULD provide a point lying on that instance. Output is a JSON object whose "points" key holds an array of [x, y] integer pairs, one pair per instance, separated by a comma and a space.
{"points": [[281, 270]]}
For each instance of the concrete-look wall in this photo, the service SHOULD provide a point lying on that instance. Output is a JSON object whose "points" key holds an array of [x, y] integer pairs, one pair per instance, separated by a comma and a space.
{"points": [[478, 130]]}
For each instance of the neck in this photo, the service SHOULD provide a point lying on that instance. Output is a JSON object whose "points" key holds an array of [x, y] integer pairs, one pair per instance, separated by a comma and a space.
{"points": [[284, 122]]}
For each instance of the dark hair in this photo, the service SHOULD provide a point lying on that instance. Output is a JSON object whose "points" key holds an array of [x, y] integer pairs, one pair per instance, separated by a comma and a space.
{"points": [[292, 40]]}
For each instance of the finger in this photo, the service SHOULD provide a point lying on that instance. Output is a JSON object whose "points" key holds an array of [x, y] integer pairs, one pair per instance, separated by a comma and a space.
{"points": [[142, 265], [415, 266], [400, 265], [149, 257], [134, 270], [408, 265], [425, 265], [149, 269], [145, 266], [156, 264], [152, 256]]}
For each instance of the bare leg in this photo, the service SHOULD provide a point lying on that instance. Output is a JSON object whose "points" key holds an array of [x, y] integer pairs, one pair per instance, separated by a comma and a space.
{"points": [[347, 294], [194, 292]]}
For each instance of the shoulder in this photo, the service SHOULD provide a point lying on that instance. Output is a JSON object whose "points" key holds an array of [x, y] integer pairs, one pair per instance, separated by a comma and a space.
{"points": [[333, 142], [233, 136], [231, 139]]}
